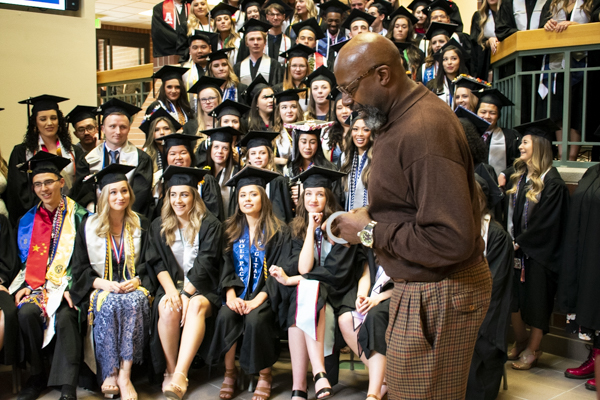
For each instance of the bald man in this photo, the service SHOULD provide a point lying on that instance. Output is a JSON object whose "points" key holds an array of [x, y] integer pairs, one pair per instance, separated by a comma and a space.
{"points": [[423, 222]]}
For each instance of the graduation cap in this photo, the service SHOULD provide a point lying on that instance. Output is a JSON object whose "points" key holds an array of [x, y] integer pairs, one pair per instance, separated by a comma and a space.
{"points": [[493, 96], [416, 3], [481, 124], [258, 138], [338, 46], [255, 25], [402, 46], [117, 106], [405, 13], [220, 54], [386, 5], [112, 174], [158, 113], [223, 134], [43, 162], [335, 95], [545, 128], [318, 177], [258, 84], [289, 95], [321, 74], [357, 15], [167, 73], [183, 176], [222, 9], [230, 107], [287, 10], [44, 102], [311, 126], [297, 50], [79, 113], [211, 38], [310, 24], [438, 28], [490, 189], [440, 5], [250, 175], [178, 139], [333, 6], [207, 82], [353, 115], [247, 3], [451, 43], [471, 83]]}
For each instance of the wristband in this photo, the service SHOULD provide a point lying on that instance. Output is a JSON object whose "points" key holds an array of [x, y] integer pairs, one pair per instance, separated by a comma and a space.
{"points": [[186, 294]]}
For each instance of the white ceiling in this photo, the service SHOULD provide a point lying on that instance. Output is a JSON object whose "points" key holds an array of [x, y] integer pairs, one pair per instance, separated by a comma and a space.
{"points": [[127, 12]]}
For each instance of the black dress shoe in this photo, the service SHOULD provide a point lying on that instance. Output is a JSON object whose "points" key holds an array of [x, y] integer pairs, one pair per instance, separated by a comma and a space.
{"points": [[67, 397], [29, 393]]}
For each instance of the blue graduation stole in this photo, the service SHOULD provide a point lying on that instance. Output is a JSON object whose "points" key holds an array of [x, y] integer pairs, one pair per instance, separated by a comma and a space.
{"points": [[24, 233], [248, 261], [429, 74]]}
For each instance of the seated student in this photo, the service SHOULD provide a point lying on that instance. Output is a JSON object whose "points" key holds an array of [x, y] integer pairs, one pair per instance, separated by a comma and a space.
{"points": [[277, 41], [401, 30], [42, 287], [308, 32], [259, 154], [255, 37], [184, 256], [437, 35], [321, 82], [331, 14], [489, 356], [178, 151], [201, 45], [334, 138], [209, 96], [464, 88], [47, 131], [155, 126], [259, 97], [357, 22], [287, 111], [172, 95], [502, 143], [85, 127], [326, 276], [297, 68], [220, 67], [452, 61], [116, 149], [9, 324], [420, 9], [444, 11], [228, 38], [167, 16], [111, 283], [255, 240], [380, 9], [221, 163]]}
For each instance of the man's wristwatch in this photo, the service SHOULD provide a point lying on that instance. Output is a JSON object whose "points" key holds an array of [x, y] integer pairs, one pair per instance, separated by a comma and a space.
{"points": [[366, 235]]}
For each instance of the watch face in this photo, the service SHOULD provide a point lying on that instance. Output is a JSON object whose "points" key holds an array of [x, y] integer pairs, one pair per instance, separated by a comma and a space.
{"points": [[366, 238]]}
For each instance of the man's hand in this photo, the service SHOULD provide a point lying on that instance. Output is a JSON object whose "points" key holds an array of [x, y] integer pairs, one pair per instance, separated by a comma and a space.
{"points": [[347, 225]]}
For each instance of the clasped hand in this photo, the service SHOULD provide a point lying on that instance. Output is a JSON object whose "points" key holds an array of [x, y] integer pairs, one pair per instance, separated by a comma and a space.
{"points": [[242, 307], [558, 27], [120, 287], [364, 303]]}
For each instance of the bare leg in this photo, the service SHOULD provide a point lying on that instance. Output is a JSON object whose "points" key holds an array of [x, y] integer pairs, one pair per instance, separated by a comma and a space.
{"points": [[519, 327], [574, 136], [299, 356], [535, 339], [1, 329], [559, 137], [127, 390], [263, 386], [169, 332], [228, 386], [192, 336], [316, 352]]}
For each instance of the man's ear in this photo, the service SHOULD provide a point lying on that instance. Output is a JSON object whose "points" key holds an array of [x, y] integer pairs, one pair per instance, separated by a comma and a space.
{"points": [[384, 75]]}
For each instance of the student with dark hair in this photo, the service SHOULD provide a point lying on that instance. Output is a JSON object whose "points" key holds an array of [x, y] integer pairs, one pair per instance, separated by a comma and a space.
{"points": [[172, 95], [451, 58]]}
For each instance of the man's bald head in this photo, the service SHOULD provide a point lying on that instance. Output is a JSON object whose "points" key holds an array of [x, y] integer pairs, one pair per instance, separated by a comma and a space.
{"points": [[362, 54]]}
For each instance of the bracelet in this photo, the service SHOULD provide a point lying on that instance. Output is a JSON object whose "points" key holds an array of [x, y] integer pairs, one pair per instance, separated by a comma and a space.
{"points": [[186, 294]]}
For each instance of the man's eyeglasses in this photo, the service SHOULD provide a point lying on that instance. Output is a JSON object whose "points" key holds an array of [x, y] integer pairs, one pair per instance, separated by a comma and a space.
{"points": [[346, 89], [48, 183], [83, 129]]}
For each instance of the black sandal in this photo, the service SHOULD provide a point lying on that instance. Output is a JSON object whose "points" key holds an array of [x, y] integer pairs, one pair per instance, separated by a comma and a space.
{"points": [[327, 390], [300, 393]]}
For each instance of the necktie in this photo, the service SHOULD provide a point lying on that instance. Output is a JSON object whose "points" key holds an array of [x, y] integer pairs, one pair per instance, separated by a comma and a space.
{"points": [[114, 156]]}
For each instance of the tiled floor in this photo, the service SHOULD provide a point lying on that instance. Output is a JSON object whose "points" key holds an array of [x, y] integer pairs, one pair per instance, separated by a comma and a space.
{"points": [[543, 382]]}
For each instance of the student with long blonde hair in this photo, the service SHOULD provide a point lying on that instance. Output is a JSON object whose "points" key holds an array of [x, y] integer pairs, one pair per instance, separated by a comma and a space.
{"points": [[223, 25], [219, 66], [540, 201]]}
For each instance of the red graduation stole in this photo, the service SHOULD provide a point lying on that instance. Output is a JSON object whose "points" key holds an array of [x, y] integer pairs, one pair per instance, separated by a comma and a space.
{"points": [[39, 248], [170, 12]]}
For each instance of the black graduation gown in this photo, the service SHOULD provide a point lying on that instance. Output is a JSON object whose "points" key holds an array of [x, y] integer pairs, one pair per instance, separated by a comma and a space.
{"points": [[489, 356], [481, 58], [8, 271], [84, 275], [20, 195], [275, 75], [164, 37], [204, 275], [281, 200], [512, 141], [578, 287], [259, 348], [541, 248], [84, 192], [505, 20]]}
